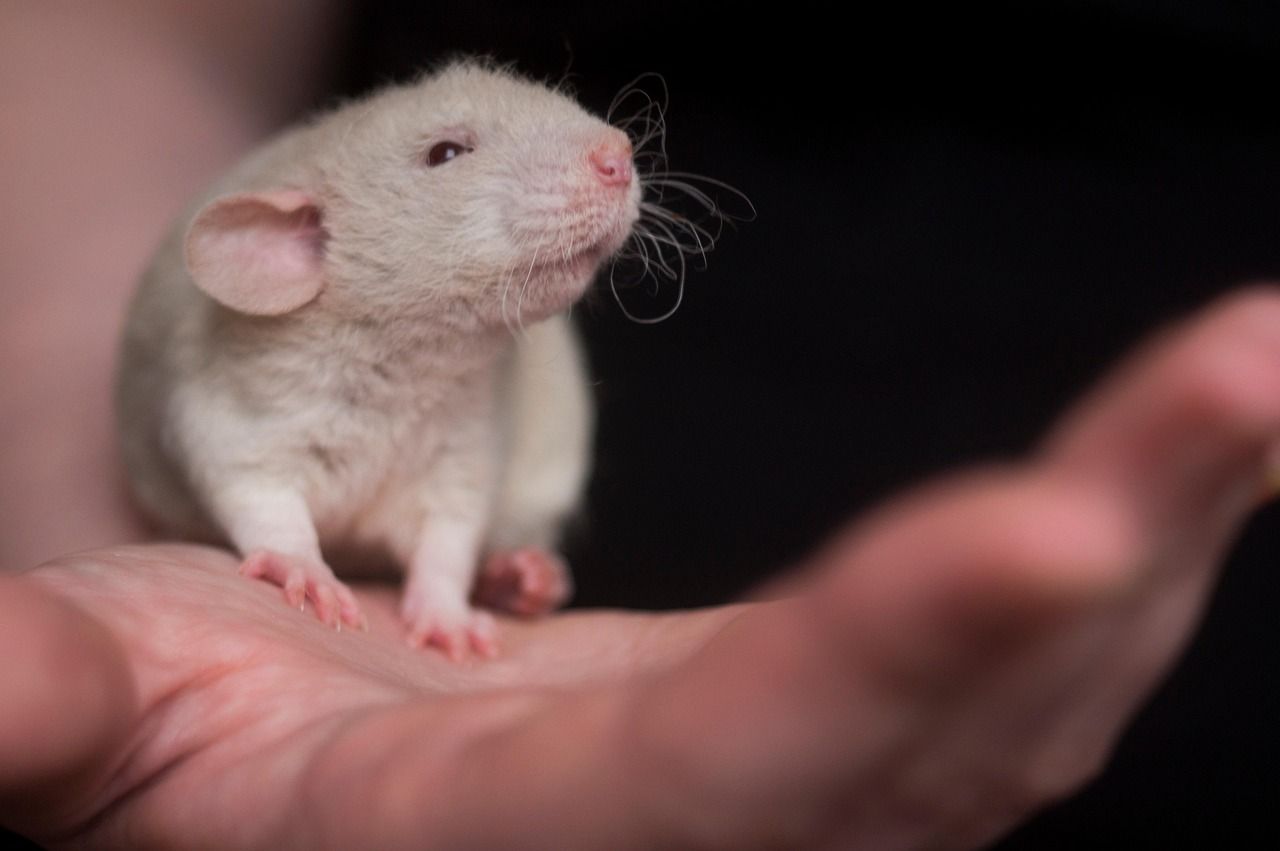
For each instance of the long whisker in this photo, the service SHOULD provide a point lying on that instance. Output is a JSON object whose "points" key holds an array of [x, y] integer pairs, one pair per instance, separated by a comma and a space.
{"points": [[520, 299], [509, 274], [633, 88], [661, 229], [642, 233], [506, 288], [613, 286], [703, 239], [680, 180], [660, 262]]}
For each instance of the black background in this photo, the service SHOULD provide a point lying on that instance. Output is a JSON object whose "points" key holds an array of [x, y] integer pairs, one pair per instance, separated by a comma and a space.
{"points": [[964, 217]]}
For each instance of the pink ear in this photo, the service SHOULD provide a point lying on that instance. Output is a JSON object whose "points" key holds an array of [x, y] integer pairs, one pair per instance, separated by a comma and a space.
{"points": [[259, 253]]}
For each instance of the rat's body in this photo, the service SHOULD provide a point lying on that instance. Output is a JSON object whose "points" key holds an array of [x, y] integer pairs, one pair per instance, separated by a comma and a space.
{"points": [[321, 356]]}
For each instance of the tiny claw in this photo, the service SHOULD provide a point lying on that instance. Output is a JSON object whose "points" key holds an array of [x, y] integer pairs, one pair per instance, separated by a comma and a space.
{"points": [[303, 579]]}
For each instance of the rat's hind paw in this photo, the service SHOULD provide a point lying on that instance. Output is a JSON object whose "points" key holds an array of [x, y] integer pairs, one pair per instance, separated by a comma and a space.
{"points": [[529, 581], [458, 633], [305, 579]]}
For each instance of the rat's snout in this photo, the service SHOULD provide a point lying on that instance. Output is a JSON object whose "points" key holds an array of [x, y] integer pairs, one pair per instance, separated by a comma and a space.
{"points": [[611, 159]]}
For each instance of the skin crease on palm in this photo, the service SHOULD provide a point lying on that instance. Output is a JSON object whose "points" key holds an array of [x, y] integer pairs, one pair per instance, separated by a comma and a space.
{"points": [[939, 671]]}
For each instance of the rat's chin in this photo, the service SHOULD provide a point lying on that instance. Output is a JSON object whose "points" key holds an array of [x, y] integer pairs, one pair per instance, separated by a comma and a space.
{"points": [[547, 288], [553, 279], [569, 277], [576, 269]]}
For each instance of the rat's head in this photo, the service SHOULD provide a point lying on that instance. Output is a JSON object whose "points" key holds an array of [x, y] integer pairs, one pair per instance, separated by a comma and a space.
{"points": [[473, 195]]}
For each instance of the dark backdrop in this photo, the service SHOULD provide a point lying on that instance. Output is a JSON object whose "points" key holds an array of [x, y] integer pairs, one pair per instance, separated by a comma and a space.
{"points": [[964, 216]]}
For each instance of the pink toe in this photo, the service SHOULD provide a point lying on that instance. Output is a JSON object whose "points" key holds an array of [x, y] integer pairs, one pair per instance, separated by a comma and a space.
{"points": [[446, 641], [483, 645], [295, 591], [325, 601], [349, 609], [529, 581]]}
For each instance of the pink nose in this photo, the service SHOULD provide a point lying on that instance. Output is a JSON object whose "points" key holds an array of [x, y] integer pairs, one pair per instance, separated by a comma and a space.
{"points": [[611, 160]]}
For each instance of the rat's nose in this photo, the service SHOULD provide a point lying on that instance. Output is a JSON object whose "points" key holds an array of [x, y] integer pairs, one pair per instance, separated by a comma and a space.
{"points": [[611, 160]]}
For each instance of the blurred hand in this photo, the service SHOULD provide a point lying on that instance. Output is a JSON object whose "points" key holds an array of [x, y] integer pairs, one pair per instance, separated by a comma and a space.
{"points": [[116, 113], [947, 666]]}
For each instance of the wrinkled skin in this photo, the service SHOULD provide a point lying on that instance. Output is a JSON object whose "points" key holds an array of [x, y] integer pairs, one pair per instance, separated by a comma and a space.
{"points": [[940, 670]]}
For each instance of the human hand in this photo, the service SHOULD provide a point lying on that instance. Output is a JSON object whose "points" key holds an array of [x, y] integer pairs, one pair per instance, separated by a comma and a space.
{"points": [[169, 94], [941, 670]]}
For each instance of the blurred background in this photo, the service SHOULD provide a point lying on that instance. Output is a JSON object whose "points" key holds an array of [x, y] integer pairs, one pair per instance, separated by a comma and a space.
{"points": [[964, 216]]}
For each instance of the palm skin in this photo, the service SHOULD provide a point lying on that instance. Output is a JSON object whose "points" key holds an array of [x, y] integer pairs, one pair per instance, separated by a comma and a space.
{"points": [[940, 670]]}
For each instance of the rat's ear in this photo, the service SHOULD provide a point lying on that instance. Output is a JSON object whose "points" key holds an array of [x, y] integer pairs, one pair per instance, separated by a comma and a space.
{"points": [[258, 252]]}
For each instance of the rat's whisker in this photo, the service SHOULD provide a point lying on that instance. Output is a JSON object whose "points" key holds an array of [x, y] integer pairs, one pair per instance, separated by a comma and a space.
{"points": [[642, 234], [703, 239], [688, 189], [655, 263], [684, 182], [656, 129], [613, 286], [644, 113], [507, 274], [520, 299], [636, 250], [666, 237], [663, 266], [651, 116], [661, 229], [633, 88]]}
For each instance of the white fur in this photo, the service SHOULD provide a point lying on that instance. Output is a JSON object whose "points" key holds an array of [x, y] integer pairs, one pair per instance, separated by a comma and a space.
{"points": [[396, 411]]}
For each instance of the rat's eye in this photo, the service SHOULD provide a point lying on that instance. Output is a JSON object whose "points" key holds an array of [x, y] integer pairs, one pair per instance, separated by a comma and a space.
{"points": [[442, 152]]}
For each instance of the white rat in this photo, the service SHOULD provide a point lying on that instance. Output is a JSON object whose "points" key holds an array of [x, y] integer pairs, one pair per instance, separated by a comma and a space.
{"points": [[321, 357]]}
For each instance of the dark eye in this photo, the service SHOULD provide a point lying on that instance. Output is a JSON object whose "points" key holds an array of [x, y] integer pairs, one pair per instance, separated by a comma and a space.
{"points": [[442, 152]]}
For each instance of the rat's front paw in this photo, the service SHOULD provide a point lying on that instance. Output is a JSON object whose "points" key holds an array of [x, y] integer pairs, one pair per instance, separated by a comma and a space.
{"points": [[306, 579], [454, 628], [529, 581]]}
